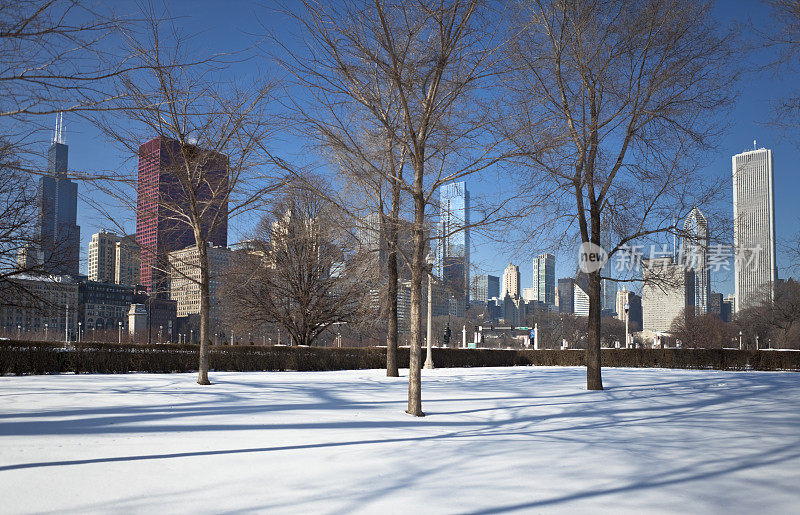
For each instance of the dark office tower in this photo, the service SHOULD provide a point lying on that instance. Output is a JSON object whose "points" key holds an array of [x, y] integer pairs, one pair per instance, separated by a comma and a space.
{"points": [[162, 201], [58, 233], [454, 262]]}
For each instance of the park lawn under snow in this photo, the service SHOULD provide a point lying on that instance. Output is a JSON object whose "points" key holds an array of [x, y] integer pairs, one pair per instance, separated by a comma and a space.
{"points": [[495, 440]]}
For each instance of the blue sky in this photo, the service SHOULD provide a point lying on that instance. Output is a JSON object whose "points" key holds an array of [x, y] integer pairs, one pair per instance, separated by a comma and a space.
{"points": [[229, 25]]}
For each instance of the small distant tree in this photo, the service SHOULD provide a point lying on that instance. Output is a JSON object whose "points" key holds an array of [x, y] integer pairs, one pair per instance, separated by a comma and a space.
{"points": [[295, 273], [705, 331], [777, 321]]}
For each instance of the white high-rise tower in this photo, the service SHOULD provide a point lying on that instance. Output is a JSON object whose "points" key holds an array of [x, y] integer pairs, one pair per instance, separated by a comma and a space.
{"points": [[695, 255], [753, 227], [511, 281]]}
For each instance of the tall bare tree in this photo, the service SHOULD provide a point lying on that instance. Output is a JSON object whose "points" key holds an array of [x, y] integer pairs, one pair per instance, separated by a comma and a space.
{"points": [[611, 103], [410, 72], [208, 135]]}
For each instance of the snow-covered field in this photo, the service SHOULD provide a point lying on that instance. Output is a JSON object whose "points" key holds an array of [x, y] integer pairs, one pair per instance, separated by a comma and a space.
{"points": [[495, 440]]}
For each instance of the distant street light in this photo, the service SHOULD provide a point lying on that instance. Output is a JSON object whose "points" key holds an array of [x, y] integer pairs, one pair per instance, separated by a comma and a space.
{"points": [[19, 332], [79, 331], [627, 338], [429, 357], [45, 332], [740, 340], [119, 338]]}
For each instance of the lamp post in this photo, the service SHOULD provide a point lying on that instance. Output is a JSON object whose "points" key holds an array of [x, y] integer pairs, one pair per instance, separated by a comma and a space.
{"points": [[19, 332], [429, 357], [45, 332], [119, 337], [627, 338], [756, 342], [79, 331], [740, 340], [66, 324], [160, 333]]}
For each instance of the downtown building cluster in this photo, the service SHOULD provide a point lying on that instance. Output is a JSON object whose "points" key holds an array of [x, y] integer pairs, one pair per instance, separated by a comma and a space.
{"points": [[141, 285]]}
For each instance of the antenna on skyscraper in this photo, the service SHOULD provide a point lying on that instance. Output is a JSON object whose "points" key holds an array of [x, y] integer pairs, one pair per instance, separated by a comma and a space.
{"points": [[58, 137]]}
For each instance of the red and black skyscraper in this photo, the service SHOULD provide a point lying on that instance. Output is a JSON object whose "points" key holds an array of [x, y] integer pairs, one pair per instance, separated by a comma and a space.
{"points": [[166, 189]]}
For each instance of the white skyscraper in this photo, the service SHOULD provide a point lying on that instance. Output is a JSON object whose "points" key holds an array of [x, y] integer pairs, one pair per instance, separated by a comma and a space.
{"points": [[695, 255], [753, 227], [102, 256], [511, 281]]}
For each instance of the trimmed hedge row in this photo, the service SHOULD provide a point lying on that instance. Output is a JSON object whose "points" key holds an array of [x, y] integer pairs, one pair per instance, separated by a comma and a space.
{"points": [[53, 358]]}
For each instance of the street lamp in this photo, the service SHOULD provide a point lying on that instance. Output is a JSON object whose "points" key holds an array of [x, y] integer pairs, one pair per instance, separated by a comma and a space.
{"points": [[191, 336], [740, 340], [756, 342], [79, 331], [45, 332], [429, 357], [160, 331], [120, 332], [627, 338], [19, 332]]}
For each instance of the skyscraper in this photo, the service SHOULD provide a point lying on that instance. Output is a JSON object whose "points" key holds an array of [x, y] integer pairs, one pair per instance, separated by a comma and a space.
{"points": [[667, 293], [485, 287], [102, 256], [126, 261], [454, 210], [58, 233], [162, 200], [695, 255], [754, 227], [544, 278], [566, 302], [608, 296], [511, 281]]}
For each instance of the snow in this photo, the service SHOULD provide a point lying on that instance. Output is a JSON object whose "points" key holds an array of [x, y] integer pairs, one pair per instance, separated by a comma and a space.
{"points": [[526, 439]]}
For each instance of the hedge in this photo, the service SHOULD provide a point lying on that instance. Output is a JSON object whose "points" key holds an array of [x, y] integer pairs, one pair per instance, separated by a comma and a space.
{"points": [[110, 358]]}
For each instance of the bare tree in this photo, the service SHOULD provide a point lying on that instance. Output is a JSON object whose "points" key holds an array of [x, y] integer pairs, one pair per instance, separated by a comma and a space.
{"points": [[407, 72], [297, 272], [56, 56], [206, 133], [610, 104], [783, 35], [705, 331], [778, 319]]}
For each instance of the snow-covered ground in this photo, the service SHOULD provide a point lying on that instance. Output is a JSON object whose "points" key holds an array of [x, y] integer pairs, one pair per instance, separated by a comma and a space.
{"points": [[495, 440]]}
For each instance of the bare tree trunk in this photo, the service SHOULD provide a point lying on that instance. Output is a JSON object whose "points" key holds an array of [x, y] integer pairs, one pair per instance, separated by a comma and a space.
{"points": [[417, 273], [594, 379], [205, 311], [392, 238], [391, 329]]}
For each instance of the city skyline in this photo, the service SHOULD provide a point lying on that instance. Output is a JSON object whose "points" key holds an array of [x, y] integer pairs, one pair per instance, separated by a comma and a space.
{"points": [[749, 115]]}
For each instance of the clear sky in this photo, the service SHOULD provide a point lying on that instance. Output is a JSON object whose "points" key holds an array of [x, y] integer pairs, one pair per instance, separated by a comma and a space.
{"points": [[230, 25]]}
